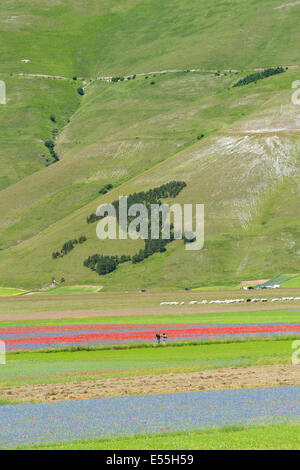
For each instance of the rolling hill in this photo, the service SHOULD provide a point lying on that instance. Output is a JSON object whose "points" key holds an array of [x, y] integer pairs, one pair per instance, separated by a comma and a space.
{"points": [[238, 149]]}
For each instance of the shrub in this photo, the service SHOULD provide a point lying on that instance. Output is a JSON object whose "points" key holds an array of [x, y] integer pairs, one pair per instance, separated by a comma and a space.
{"points": [[106, 188], [49, 144], [190, 238]]}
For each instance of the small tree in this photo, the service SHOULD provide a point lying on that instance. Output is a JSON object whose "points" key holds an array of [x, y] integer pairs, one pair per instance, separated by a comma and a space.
{"points": [[49, 144]]}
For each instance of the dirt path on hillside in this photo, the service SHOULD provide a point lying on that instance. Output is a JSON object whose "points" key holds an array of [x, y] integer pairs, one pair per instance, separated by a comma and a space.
{"points": [[145, 311], [109, 78], [141, 74], [233, 377]]}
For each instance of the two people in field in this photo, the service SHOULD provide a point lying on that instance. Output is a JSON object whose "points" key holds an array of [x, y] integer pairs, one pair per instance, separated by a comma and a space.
{"points": [[161, 338]]}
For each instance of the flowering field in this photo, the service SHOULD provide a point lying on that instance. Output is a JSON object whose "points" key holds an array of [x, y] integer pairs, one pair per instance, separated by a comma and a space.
{"points": [[108, 417], [39, 337]]}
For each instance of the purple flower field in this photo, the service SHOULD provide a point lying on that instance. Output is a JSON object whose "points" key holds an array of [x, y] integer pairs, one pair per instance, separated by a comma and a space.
{"points": [[108, 417]]}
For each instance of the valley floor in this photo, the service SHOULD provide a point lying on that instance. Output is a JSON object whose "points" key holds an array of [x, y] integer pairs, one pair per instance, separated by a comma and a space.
{"points": [[194, 394]]}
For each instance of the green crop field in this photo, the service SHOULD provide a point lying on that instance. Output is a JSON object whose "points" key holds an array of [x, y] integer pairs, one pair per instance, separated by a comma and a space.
{"points": [[263, 316], [9, 291], [294, 282], [271, 437], [58, 367], [69, 290]]}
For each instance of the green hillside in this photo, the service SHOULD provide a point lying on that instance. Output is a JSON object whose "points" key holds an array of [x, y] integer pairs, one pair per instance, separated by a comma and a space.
{"points": [[294, 282], [25, 123], [138, 134], [117, 37]]}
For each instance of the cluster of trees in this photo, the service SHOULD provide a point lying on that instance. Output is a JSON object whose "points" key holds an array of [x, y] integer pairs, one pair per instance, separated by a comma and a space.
{"points": [[153, 196], [68, 246], [93, 217], [106, 188], [117, 79], [80, 91], [159, 245], [121, 79], [254, 77], [54, 133], [50, 144], [151, 247], [104, 264]]}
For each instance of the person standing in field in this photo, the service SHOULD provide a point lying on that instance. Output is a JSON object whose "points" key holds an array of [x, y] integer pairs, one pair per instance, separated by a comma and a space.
{"points": [[164, 338], [158, 338]]}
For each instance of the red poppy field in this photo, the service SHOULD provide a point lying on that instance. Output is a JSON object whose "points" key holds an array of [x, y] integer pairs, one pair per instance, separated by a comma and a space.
{"points": [[40, 337]]}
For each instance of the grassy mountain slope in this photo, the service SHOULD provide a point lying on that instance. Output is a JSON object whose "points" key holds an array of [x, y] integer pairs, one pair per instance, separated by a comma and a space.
{"points": [[25, 123], [101, 37], [112, 37], [119, 131], [246, 174], [138, 135]]}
